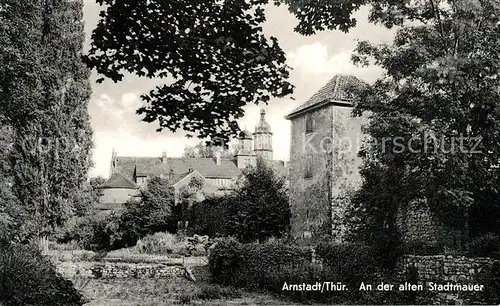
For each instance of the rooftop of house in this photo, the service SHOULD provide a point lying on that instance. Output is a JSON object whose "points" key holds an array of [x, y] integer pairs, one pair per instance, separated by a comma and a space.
{"points": [[117, 180], [335, 91], [175, 168]]}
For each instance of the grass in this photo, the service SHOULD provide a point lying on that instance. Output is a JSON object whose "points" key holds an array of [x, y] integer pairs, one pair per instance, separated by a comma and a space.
{"points": [[174, 291], [168, 291]]}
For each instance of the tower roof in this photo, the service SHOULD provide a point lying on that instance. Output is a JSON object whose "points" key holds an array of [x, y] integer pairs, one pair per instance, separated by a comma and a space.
{"points": [[245, 134], [335, 91], [263, 126]]}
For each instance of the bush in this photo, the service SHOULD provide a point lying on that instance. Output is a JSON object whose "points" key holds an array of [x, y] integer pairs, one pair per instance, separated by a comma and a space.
{"points": [[28, 278], [210, 217], [161, 243], [491, 280], [246, 265], [215, 292], [96, 232], [485, 246], [269, 266]]}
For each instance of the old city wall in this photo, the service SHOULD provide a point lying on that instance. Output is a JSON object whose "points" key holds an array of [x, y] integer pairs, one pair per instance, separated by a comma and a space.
{"points": [[109, 270]]}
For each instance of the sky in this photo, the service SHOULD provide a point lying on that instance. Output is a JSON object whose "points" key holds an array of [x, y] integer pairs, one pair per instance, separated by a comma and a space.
{"points": [[315, 60]]}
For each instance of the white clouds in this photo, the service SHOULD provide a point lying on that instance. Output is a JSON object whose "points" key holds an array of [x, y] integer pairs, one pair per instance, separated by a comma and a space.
{"points": [[130, 100], [314, 59]]}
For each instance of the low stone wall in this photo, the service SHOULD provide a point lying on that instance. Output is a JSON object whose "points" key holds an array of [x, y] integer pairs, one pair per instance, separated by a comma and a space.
{"points": [[107, 270], [443, 268]]}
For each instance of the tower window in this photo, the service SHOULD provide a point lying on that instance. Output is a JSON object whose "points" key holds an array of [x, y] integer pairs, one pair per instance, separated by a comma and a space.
{"points": [[309, 123], [308, 167]]}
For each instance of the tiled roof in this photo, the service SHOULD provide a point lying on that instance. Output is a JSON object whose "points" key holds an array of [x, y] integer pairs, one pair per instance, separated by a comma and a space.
{"points": [[150, 166], [117, 180], [146, 166], [126, 165], [336, 90], [279, 166]]}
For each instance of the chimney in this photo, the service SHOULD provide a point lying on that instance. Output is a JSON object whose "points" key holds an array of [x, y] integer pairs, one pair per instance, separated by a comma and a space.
{"points": [[218, 159], [164, 157], [113, 162]]}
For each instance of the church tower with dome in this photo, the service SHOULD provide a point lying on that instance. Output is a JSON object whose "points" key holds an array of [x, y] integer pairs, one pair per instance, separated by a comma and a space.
{"points": [[263, 138], [245, 156]]}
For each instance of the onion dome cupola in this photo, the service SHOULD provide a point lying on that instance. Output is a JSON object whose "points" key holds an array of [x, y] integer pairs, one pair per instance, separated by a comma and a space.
{"points": [[263, 138], [245, 156], [245, 143]]}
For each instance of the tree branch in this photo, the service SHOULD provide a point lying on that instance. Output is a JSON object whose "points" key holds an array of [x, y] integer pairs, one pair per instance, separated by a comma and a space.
{"points": [[437, 15]]}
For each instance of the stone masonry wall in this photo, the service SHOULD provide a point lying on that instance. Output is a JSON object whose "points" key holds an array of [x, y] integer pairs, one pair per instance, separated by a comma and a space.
{"points": [[309, 196], [417, 224], [446, 268], [105, 270], [346, 179]]}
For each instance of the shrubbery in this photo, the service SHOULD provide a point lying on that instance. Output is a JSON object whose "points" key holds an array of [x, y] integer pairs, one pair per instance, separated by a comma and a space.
{"points": [[352, 263], [491, 280], [27, 278], [210, 217], [269, 266], [111, 231], [247, 265], [96, 232], [162, 243], [256, 210], [485, 246]]}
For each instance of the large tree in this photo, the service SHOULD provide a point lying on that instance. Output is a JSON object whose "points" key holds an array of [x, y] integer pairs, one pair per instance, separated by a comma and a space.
{"points": [[151, 212], [213, 52], [441, 91], [259, 208], [204, 150], [43, 97]]}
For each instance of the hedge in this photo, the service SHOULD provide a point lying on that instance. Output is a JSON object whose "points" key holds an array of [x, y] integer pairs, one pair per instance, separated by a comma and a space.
{"points": [[269, 266], [28, 278]]}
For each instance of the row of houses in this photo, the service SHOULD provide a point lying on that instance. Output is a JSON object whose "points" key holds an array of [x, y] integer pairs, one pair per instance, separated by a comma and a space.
{"points": [[129, 174]]}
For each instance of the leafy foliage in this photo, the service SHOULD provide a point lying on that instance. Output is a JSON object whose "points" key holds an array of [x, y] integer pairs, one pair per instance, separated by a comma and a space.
{"points": [[244, 265], [204, 150], [95, 232], [210, 217], [162, 243], [28, 278], [270, 266], [491, 280], [89, 195], [43, 98], [149, 214], [260, 209], [441, 90], [485, 246], [256, 210], [214, 51]]}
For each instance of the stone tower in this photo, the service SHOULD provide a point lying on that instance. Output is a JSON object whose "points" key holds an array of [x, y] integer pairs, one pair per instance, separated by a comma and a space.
{"points": [[324, 163], [245, 155], [263, 138]]}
